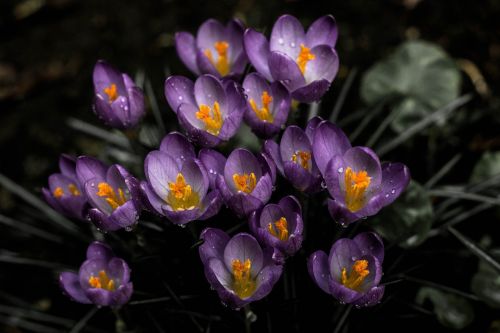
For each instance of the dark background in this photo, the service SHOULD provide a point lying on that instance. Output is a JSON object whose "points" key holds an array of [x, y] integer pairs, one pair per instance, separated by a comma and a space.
{"points": [[47, 51]]}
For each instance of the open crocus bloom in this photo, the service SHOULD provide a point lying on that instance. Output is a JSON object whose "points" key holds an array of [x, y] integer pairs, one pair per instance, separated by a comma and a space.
{"points": [[208, 110], [294, 157], [352, 271], [306, 63], [177, 183], [237, 268], [268, 105], [279, 226], [65, 193], [358, 183], [247, 182], [103, 279], [113, 193], [118, 101], [217, 50]]}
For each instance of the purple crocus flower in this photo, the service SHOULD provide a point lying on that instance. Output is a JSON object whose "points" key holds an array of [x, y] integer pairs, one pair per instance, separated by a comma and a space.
{"points": [[279, 226], [294, 157], [217, 50], [352, 271], [359, 184], [103, 279], [268, 105], [64, 193], [306, 63], [113, 193], [178, 184], [247, 182], [118, 101], [208, 110], [238, 268]]}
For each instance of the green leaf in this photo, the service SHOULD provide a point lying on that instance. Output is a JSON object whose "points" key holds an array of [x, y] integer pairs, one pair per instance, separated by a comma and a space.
{"points": [[451, 310], [421, 74], [486, 282], [408, 220], [487, 167]]}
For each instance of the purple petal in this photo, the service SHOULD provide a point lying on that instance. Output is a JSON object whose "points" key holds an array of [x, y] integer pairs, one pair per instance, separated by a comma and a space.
{"points": [[375, 269], [266, 280], [299, 177], [210, 32], [100, 296], [324, 66], [214, 163], [106, 113], [254, 85], [205, 65], [211, 205], [322, 31], [99, 250], [341, 214], [70, 284], [102, 221], [67, 165], [312, 124], [208, 90], [395, 179], [263, 189], [342, 293], [185, 45], [294, 139], [370, 243], [178, 147], [328, 141], [88, 168], [195, 128], [319, 271], [343, 254], [365, 159], [122, 294], [234, 36], [160, 169], [91, 190], [104, 75], [196, 177], [154, 202], [126, 215], [285, 69], [287, 36], [241, 247], [311, 92], [118, 270], [214, 243], [282, 102], [257, 50], [181, 216], [136, 105], [370, 298], [236, 110], [272, 149], [290, 204], [243, 204], [178, 90], [268, 166]]}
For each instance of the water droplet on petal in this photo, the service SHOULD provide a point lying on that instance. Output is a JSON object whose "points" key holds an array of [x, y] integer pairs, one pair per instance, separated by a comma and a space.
{"points": [[340, 170], [180, 98], [393, 191], [292, 44], [281, 41]]}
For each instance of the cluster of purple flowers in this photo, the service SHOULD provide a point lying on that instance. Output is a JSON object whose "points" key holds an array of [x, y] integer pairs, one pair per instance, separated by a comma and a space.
{"points": [[184, 185]]}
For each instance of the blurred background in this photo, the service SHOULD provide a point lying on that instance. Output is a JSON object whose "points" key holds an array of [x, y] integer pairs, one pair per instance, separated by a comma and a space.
{"points": [[436, 278]]}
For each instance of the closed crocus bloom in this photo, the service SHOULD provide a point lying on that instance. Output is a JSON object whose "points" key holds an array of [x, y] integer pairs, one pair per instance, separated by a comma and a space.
{"points": [[208, 110], [113, 193], [294, 157], [268, 105], [358, 183], [177, 184], [103, 279], [65, 193], [279, 226], [306, 63], [352, 271], [237, 268], [216, 50], [247, 182], [118, 101]]}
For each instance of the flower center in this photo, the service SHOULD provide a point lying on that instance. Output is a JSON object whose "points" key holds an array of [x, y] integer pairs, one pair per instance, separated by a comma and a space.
{"points": [[245, 182], [304, 57], [59, 192], [222, 63], [356, 276], [243, 284], [211, 117], [263, 113], [356, 184], [112, 92], [181, 195], [303, 158], [279, 229], [102, 281], [106, 191]]}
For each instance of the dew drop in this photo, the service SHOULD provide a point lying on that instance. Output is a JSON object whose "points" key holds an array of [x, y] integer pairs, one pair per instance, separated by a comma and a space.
{"points": [[323, 184], [393, 191], [129, 228], [340, 170], [281, 41], [353, 258], [182, 226], [180, 98], [292, 44], [387, 195]]}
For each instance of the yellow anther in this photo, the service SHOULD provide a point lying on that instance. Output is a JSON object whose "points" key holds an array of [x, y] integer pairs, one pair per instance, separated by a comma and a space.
{"points": [[181, 195], [303, 158], [58, 192], [112, 92], [279, 229], [106, 191], [102, 281], [304, 57], [245, 182], [359, 271], [222, 63], [73, 190], [243, 283], [212, 118], [356, 184], [264, 113]]}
